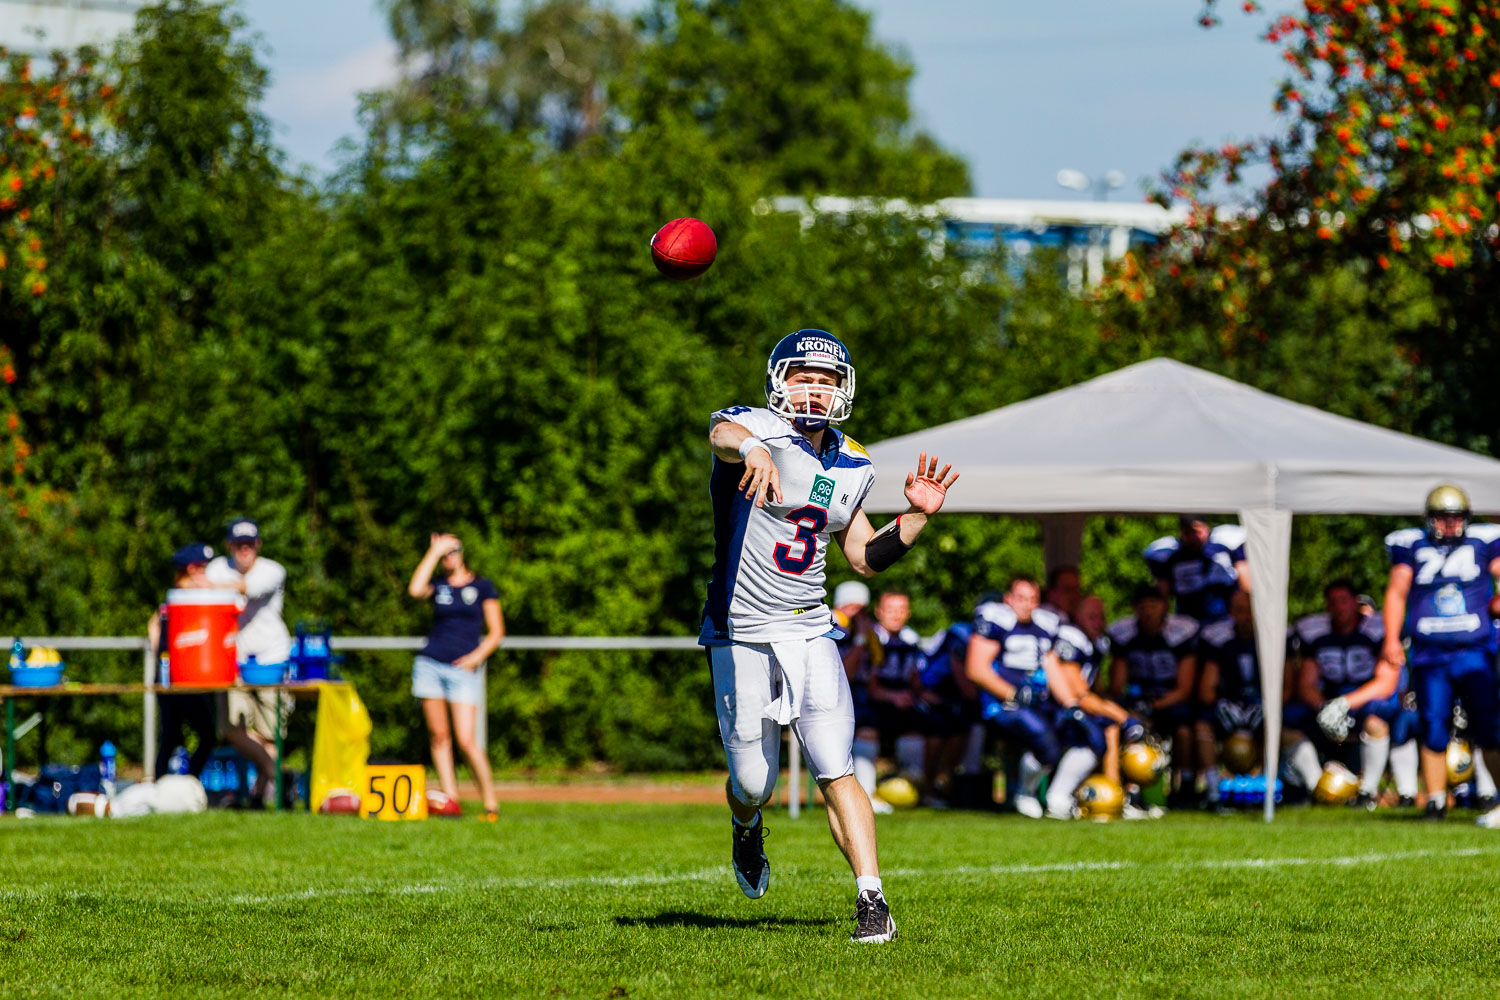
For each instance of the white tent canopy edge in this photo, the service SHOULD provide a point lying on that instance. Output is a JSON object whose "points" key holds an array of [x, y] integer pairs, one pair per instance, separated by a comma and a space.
{"points": [[1164, 437]]}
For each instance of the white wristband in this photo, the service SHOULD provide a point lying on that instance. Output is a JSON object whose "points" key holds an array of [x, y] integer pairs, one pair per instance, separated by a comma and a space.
{"points": [[750, 444]]}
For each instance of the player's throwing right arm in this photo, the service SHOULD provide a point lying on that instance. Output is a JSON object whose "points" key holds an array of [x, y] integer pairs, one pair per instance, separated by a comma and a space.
{"points": [[732, 442]]}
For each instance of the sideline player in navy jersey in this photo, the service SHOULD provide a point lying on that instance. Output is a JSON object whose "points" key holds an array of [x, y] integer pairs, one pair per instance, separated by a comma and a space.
{"points": [[1338, 650], [1153, 672], [784, 482], [1440, 595], [1228, 687], [1011, 660], [1201, 573], [1092, 723]]}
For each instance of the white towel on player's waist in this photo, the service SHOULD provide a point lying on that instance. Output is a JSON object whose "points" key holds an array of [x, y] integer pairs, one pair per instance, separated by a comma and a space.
{"points": [[789, 663]]}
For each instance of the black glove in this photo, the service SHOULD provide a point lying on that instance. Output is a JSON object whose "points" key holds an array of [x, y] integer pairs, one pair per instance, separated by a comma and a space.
{"points": [[1025, 695], [1132, 730]]}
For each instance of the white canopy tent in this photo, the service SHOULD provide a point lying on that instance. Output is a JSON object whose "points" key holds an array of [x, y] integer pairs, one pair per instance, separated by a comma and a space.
{"points": [[1164, 437]]}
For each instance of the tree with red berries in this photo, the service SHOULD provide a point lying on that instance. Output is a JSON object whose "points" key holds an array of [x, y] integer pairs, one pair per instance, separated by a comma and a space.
{"points": [[1381, 208]]}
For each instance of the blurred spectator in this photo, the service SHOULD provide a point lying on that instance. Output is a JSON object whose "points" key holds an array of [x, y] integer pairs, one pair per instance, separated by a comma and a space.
{"points": [[466, 628], [851, 613], [1062, 592], [1228, 688], [178, 712], [1196, 571], [1152, 673], [249, 718]]}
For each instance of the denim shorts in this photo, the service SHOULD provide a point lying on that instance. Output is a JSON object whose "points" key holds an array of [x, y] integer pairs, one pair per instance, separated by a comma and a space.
{"points": [[433, 679]]}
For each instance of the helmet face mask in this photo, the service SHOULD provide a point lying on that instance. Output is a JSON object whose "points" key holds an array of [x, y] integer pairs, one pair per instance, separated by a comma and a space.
{"points": [[1444, 502], [810, 403]]}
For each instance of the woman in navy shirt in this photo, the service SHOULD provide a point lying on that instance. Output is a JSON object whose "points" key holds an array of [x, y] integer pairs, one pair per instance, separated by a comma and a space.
{"points": [[466, 628]]}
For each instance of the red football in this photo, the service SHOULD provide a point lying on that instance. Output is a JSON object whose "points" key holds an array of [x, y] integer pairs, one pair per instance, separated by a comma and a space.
{"points": [[439, 804], [684, 248], [340, 800]]}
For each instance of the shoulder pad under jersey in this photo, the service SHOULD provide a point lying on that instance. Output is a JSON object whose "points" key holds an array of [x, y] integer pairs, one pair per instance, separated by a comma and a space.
{"points": [[1485, 532], [1123, 630], [1216, 633], [1372, 628], [1313, 627], [1404, 537], [1048, 620], [909, 636], [1179, 629], [1070, 636], [997, 613], [1161, 549], [1231, 536]]}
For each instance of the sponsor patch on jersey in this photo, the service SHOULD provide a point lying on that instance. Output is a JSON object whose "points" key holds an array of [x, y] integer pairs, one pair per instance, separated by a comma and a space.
{"points": [[822, 492]]}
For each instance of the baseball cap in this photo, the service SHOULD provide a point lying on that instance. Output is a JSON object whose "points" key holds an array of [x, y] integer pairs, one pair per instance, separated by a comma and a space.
{"points": [[242, 530], [850, 592], [186, 556]]}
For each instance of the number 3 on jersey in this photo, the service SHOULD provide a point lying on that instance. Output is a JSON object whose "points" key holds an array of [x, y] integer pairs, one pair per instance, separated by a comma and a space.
{"points": [[809, 521]]}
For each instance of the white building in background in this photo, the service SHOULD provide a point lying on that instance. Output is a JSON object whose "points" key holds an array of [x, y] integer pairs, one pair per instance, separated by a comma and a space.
{"points": [[40, 26], [1090, 233]]}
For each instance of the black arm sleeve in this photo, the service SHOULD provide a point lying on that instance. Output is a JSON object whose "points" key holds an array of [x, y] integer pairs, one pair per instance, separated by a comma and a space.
{"points": [[885, 547]]}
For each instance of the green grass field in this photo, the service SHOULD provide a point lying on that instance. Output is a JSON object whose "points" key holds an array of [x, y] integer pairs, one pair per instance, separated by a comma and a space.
{"points": [[593, 901]]}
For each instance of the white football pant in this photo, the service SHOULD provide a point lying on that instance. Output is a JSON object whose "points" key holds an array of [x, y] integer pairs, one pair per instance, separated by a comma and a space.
{"points": [[747, 678]]}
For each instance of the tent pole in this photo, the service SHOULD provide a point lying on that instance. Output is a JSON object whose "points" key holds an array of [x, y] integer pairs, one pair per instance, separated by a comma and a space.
{"points": [[1268, 549]]}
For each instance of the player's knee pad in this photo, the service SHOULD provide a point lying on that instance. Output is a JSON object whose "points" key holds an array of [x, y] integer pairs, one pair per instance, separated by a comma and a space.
{"points": [[752, 783]]}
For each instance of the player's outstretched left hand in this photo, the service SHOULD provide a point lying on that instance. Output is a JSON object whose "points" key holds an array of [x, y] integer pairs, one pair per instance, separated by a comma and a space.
{"points": [[927, 487]]}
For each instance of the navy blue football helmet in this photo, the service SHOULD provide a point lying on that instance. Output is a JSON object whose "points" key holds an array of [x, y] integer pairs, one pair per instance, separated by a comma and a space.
{"points": [[809, 349]]}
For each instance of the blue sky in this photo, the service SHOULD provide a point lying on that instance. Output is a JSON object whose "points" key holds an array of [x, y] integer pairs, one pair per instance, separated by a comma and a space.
{"points": [[1020, 88]]}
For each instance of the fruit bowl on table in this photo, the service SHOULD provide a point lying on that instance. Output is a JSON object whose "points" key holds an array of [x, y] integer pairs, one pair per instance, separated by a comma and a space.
{"points": [[37, 677], [262, 673]]}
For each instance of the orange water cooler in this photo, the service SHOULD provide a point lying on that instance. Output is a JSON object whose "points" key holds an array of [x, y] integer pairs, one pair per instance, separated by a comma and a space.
{"points": [[202, 629]]}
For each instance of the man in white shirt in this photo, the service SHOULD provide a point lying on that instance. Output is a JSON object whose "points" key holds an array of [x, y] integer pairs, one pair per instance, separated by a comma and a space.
{"points": [[249, 717]]}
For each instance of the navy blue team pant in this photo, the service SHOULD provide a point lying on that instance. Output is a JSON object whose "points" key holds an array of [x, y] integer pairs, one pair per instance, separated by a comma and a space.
{"points": [[1033, 727], [1467, 674]]}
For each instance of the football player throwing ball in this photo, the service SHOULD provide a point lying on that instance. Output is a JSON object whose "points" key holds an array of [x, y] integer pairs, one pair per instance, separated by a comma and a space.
{"points": [[785, 481]]}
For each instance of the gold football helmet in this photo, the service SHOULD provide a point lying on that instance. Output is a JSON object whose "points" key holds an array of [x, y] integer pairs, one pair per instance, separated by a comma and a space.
{"points": [[1239, 752], [1460, 762], [1143, 762], [1447, 500], [1100, 799], [1337, 785], [898, 791]]}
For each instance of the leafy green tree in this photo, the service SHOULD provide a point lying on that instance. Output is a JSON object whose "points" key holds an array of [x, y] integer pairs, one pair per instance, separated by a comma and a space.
{"points": [[800, 94], [1382, 192]]}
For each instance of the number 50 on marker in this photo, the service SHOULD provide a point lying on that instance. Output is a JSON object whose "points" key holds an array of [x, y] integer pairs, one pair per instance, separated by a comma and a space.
{"points": [[394, 791]]}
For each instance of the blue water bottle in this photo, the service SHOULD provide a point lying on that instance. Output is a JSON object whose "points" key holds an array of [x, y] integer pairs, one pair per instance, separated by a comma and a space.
{"points": [[178, 764], [213, 776], [107, 755], [17, 655]]}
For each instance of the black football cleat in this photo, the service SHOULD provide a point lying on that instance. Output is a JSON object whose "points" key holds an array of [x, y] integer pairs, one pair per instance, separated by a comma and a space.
{"points": [[1364, 800], [1435, 811], [751, 869], [1406, 802], [872, 919]]}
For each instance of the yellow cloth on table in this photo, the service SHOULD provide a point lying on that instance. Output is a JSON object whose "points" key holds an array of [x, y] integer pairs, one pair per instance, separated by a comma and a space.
{"points": [[341, 745]]}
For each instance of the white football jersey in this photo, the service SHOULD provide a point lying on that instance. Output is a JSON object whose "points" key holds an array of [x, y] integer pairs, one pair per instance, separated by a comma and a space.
{"points": [[769, 561]]}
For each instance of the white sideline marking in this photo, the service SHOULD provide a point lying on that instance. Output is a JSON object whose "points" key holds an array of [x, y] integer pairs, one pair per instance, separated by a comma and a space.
{"points": [[960, 871], [721, 873]]}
